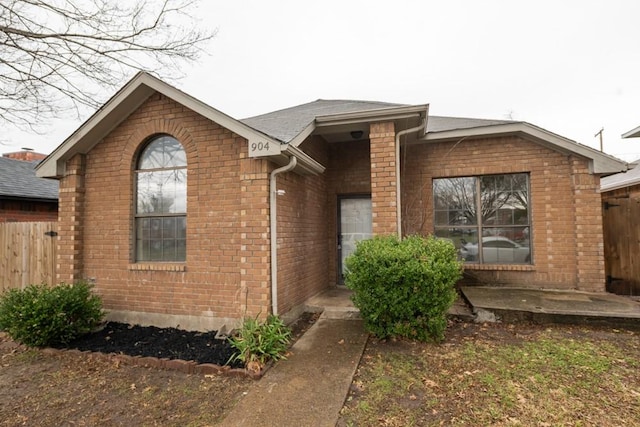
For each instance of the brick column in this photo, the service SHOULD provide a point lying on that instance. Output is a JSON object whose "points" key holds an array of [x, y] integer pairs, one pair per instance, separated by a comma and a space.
{"points": [[255, 273], [588, 228], [70, 221], [383, 178]]}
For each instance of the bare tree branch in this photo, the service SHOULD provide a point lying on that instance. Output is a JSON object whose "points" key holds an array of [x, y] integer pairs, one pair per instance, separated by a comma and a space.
{"points": [[56, 55]]}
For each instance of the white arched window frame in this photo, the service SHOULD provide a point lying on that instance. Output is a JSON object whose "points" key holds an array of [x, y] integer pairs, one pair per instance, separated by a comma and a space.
{"points": [[161, 202]]}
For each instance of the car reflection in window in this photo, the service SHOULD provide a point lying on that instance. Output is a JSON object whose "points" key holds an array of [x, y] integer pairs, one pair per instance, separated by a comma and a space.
{"points": [[496, 250]]}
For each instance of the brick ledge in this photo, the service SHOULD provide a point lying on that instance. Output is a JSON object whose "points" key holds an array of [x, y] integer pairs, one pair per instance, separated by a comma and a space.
{"points": [[500, 267], [157, 267]]}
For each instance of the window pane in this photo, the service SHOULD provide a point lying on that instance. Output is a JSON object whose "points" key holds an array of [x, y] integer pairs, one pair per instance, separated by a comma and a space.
{"points": [[181, 250], [464, 239], [504, 199], [504, 223], [457, 196], [163, 152], [168, 228], [162, 191]]}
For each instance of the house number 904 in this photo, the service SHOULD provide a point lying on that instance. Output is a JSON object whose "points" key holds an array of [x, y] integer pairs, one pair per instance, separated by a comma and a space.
{"points": [[259, 146]]}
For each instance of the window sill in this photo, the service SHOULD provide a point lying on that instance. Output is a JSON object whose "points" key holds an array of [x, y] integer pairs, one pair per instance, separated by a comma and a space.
{"points": [[160, 266], [500, 267]]}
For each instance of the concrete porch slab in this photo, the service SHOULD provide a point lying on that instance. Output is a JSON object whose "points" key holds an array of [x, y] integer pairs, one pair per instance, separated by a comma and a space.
{"points": [[512, 304]]}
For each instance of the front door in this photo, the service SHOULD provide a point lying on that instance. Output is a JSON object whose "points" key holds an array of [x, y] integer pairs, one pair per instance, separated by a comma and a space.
{"points": [[354, 215]]}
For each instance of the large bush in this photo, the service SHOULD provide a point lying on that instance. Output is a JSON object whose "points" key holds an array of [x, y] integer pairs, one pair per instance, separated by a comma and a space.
{"points": [[40, 315], [404, 287]]}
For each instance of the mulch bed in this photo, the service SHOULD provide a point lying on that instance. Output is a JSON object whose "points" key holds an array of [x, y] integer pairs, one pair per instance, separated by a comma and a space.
{"points": [[150, 341], [169, 343]]}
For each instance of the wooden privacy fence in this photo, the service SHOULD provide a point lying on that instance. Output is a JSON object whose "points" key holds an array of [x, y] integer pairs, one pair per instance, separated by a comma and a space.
{"points": [[621, 220], [27, 254]]}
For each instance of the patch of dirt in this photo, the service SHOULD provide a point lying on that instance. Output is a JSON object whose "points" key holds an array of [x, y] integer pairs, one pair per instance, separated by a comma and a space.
{"points": [[40, 389]]}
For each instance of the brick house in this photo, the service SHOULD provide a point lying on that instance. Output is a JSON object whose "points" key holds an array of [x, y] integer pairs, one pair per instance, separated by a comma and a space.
{"points": [[182, 215], [23, 195]]}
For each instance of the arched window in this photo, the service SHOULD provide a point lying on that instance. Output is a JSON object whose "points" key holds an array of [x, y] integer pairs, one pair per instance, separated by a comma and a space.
{"points": [[161, 201]]}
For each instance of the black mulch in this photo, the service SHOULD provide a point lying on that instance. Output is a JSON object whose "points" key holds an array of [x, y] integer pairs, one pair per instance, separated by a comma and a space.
{"points": [[150, 341]]}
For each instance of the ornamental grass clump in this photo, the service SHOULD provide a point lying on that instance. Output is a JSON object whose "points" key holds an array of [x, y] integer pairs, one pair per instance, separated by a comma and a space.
{"points": [[258, 342], [404, 288], [39, 315]]}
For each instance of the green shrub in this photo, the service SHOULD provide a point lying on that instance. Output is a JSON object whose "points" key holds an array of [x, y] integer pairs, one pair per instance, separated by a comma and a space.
{"points": [[258, 342], [40, 315], [404, 287]]}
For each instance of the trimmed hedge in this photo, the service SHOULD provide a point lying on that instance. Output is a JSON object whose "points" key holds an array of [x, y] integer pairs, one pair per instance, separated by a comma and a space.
{"points": [[404, 288], [40, 315]]}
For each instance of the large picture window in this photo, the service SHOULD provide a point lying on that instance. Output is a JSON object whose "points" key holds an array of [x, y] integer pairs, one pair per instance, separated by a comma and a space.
{"points": [[486, 217], [161, 202]]}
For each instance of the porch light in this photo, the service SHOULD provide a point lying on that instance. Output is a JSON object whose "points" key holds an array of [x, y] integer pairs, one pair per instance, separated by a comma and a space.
{"points": [[356, 134]]}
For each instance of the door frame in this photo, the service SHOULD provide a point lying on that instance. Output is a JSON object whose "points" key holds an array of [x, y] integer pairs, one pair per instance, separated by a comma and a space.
{"points": [[338, 246]]}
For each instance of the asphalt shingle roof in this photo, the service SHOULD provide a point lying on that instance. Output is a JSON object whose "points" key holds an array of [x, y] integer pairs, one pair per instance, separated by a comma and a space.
{"points": [[18, 179], [284, 125]]}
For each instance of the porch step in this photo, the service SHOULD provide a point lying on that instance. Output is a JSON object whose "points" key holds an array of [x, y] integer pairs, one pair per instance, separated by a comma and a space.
{"points": [[343, 313]]}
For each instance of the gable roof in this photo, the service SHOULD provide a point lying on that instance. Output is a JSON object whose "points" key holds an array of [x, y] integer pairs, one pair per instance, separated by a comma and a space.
{"points": [[452, 128], [120, 106], [18, 180], [286, 129]]}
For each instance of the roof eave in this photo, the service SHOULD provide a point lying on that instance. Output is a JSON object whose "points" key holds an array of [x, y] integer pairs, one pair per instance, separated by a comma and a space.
{"points": [[119, 107], [633, 133], [619, 185], [379, 115], [600, 163]]}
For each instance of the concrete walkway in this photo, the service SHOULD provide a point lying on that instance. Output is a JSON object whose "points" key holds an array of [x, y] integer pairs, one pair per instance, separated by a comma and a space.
{"points": [[310, 387]]}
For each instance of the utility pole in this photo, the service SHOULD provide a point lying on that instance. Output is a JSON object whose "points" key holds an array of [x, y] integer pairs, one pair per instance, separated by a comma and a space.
{"points": [[599, 133]]}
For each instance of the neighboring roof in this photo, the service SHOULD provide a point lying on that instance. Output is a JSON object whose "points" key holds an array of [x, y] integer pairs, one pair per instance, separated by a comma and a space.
{"points": [[18, 180], [284, 125], [633, 133], [621, 180]]}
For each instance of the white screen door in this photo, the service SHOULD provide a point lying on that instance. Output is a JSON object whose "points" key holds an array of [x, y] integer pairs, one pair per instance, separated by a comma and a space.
{"points": [[355, 225]]}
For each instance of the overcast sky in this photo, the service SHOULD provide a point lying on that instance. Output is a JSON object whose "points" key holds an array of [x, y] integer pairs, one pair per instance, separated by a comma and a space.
{"points": [[571, 66]]}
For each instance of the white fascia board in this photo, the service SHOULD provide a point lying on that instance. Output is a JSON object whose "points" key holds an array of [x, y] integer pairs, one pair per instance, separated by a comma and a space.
{"points": [[601, 163], [120, 106], [305, 162], [633, 133], [299, 139], [379, 115]]}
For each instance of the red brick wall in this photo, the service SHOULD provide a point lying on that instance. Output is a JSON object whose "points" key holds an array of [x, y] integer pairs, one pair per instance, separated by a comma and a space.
{"points": [[226, 274], [383, 178], [302, 232], [566, 228], [25, 211], [27, 156]]}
